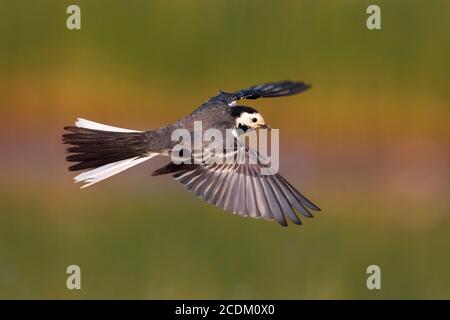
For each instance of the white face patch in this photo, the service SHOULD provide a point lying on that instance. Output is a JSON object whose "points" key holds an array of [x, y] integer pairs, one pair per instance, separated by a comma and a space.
{"points": [[251, 120]]}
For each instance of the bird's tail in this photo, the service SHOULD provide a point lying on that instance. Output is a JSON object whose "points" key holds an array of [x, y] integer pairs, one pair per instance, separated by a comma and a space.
{"points": [[104, 150]]}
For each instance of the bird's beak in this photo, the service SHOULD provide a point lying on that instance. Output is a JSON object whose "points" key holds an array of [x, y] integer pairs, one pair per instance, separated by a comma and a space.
{"points": [[264, 126]]}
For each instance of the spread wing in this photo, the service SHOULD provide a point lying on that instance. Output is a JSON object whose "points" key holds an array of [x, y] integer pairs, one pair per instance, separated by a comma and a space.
{"points": [[267, 90], [241, 189]]}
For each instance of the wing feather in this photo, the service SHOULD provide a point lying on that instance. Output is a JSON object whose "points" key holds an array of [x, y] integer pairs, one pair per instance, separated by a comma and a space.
{"points": [[241, 189], [266, 90]]}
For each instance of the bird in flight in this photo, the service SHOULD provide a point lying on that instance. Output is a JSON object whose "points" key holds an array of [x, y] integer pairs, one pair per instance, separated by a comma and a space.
{"points": [[103, 151]]}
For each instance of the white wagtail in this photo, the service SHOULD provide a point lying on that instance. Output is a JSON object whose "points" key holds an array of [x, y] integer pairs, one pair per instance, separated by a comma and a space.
{"points": [[240, 188]]}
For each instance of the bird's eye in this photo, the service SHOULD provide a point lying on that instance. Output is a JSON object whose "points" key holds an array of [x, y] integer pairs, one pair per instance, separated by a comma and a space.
{"points": [[254, 119]]}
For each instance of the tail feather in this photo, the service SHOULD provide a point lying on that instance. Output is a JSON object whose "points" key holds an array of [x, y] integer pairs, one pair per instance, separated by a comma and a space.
{"points": [[104, 149], [108, 170], [88, 124]]}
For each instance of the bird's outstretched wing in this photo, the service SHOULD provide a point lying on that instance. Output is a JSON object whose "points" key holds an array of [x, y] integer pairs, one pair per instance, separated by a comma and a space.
{"points": [[241, 189], [267, 90]]}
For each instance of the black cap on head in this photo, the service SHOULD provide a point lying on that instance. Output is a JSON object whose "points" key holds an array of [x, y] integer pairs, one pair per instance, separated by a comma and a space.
{"points": [[236, 111]]}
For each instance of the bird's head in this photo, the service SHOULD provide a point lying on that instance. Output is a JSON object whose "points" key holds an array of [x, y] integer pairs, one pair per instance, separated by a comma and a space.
{"points": [[248, 118]]}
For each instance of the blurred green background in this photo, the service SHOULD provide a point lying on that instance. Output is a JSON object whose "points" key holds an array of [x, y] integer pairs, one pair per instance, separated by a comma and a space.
{"points": [[369, 144]]}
